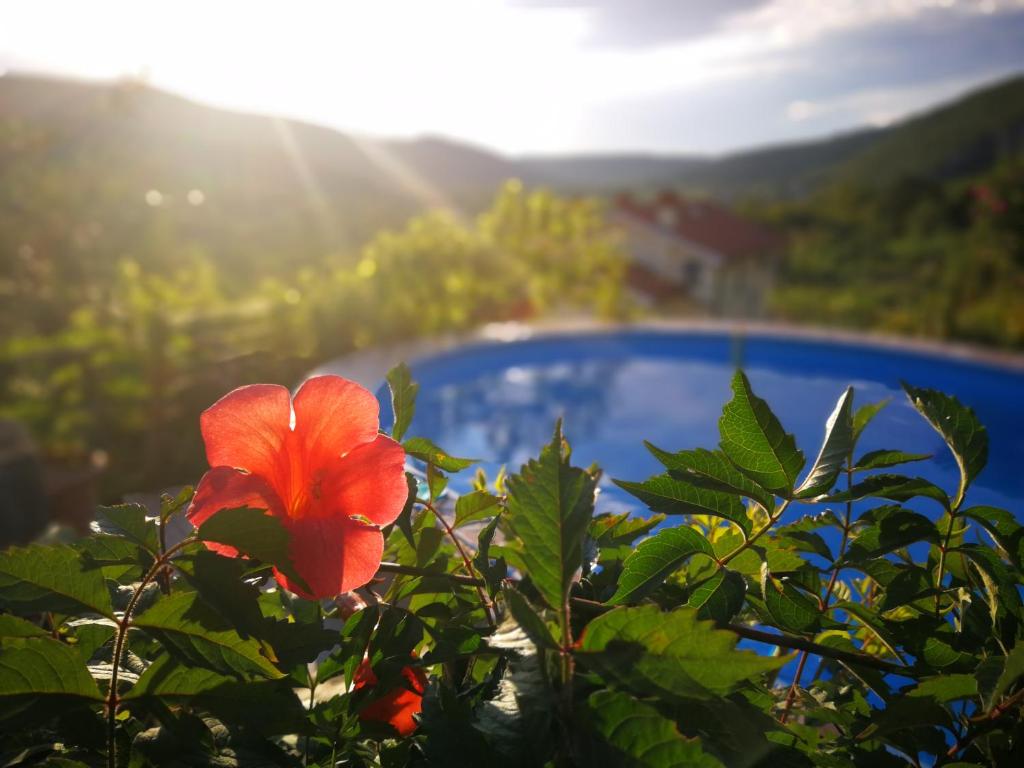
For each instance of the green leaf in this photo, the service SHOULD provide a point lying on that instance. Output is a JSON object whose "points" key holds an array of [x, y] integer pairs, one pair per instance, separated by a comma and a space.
{"points": [[36, 579], [618, 530], [196, 634], [864, 415], [131, 521], [673, 655], [1013, 670], [945, 688], [894, 487], [529, 620], [872, 622], [988, 563], [886, 529], [633, 734], [403, 398], [428, 453], [711, 469], [269, 706], [474, 506], [42, 671], [883, 459], [12, 626], [835, 449], [255, 533], [959, 427], [792, 609], [493, 573], [655, 558], [550, 504], [755, 441], [1003, 527], [670, 496], [720, 597]]}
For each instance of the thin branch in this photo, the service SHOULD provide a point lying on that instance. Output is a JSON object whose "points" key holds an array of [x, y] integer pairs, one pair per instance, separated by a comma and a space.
{"points": [[466, 562], [411, 570], [780, 640], [122, 633], [772, 520]]}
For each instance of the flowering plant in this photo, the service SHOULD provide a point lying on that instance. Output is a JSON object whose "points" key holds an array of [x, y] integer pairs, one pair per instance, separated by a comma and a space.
{"points": [[331, 606]]}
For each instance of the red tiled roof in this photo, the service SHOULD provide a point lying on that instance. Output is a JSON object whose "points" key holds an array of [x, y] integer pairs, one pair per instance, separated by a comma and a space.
{"points": [[706, 223]]}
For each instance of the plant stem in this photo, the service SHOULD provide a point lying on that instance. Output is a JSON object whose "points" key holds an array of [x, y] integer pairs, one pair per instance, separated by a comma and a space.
{"points": [[122, 633], [942, 563], [467, 563], [772, 520], [791, 693]]}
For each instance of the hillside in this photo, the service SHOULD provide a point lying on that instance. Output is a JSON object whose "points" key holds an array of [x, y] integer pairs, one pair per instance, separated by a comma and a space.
{"points": [[77, 161]]}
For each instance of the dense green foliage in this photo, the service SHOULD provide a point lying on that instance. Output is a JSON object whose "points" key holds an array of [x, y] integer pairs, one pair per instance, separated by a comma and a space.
{"points": [[563, 637], [113, 358], [915, 257]]}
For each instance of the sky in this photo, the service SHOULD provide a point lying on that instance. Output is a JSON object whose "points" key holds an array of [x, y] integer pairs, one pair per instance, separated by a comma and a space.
{"points": [[539, 76]]}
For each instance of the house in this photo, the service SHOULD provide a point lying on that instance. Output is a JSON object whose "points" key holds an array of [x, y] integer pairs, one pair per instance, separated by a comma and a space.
{"points": [[697, 251]]}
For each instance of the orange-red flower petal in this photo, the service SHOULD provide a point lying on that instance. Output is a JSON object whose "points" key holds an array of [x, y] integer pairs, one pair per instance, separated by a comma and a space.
{"points": [[332, 417], [397, 706], [332, 554], [247, 429], [227, 488], [369, 482]]}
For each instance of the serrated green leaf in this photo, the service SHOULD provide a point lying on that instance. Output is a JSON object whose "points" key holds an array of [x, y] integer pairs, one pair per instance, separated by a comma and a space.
{"points": [[529, 620], [255, 533], [655, 558], [755, 441], [872, 622], [945, 688], [403, 398], [711, 469], [37, 578], [835, 449], [893, 487], [428, 453], [633, 734], [493, 573], [959, 427], [989, 563], [673, 654], [864, 415], [883, 459], [12, 626], [1013, 670], [621, 530], [44, 671], [886, 529], [720, 597], [550, 504], [1003, 528], [476, 505], [792, 610], [666, 494], [197, 635], [269, 706], [130, 521]]}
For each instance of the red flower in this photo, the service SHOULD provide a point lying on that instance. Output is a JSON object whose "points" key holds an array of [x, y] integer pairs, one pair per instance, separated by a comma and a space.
{"points": [[397, 706], [318, 464]]}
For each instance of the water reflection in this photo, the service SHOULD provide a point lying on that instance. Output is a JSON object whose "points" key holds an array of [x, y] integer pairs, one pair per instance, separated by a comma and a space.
{"points": [[614, 391]]}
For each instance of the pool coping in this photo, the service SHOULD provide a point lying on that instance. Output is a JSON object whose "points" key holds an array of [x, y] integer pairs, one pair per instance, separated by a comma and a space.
{"points": [[369, 367]]}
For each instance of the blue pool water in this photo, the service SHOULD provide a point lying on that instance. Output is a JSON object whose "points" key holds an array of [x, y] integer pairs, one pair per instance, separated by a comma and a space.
{"points": [[498, 401]]}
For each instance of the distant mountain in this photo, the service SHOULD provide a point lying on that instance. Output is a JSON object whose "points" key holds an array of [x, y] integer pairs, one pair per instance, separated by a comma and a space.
{"points": [[959, 139], [79, 157]]}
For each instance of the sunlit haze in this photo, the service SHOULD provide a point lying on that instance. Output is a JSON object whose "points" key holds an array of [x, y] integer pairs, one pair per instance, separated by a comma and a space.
{"points": [[539, 75]]}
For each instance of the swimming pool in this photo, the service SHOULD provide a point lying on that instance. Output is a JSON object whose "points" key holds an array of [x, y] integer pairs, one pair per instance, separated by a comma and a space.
{"points": [[497, 401]]}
